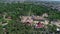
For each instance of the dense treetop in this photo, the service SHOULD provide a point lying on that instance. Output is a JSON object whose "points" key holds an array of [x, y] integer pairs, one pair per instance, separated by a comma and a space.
{"points": [[17, 9]]}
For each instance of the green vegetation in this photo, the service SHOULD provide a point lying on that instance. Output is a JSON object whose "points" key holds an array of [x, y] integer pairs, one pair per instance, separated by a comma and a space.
{"points": [[18, 9], [15, 10]]}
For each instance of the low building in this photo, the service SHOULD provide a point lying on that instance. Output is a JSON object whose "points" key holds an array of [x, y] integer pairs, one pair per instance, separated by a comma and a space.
{"points": [[8, 17], [56, 22], [4, 23], [46, 21], [45, 15], [27, 20], [39, 25], [35, 19]]}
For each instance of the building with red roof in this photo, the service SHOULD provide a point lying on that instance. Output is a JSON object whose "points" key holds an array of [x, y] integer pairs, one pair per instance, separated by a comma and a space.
{"points": [[39, 25]]}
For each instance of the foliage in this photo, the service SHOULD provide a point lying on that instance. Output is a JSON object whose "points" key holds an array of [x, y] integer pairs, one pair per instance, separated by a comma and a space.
{"points": [[15, 10]]}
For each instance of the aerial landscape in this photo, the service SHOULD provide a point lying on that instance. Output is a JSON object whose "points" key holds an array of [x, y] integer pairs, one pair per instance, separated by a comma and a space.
{"points": [[29, 16]]}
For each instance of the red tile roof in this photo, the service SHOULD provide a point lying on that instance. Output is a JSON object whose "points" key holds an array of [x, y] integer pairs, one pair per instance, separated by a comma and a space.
{"points": [[39, 25]]}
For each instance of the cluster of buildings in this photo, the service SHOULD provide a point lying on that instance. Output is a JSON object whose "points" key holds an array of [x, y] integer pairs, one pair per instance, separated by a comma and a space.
{"points": [[38, 21]]}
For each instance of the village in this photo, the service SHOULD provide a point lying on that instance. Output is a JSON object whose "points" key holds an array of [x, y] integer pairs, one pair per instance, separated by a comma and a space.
{"points": [[28, 18], [36, 22]]}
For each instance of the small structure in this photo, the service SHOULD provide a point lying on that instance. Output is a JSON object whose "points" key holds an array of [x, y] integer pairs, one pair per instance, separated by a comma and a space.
{"points": [[41, 19], [4, 23], [8, 18], [56, 22], [27, 20], [38, 18], [45, 15], [39, 25], [46, 21], [58, 29]]}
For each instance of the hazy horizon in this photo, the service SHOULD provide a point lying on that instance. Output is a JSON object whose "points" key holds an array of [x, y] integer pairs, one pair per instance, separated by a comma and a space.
{"points": [[26, 0], [35, 0]]}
